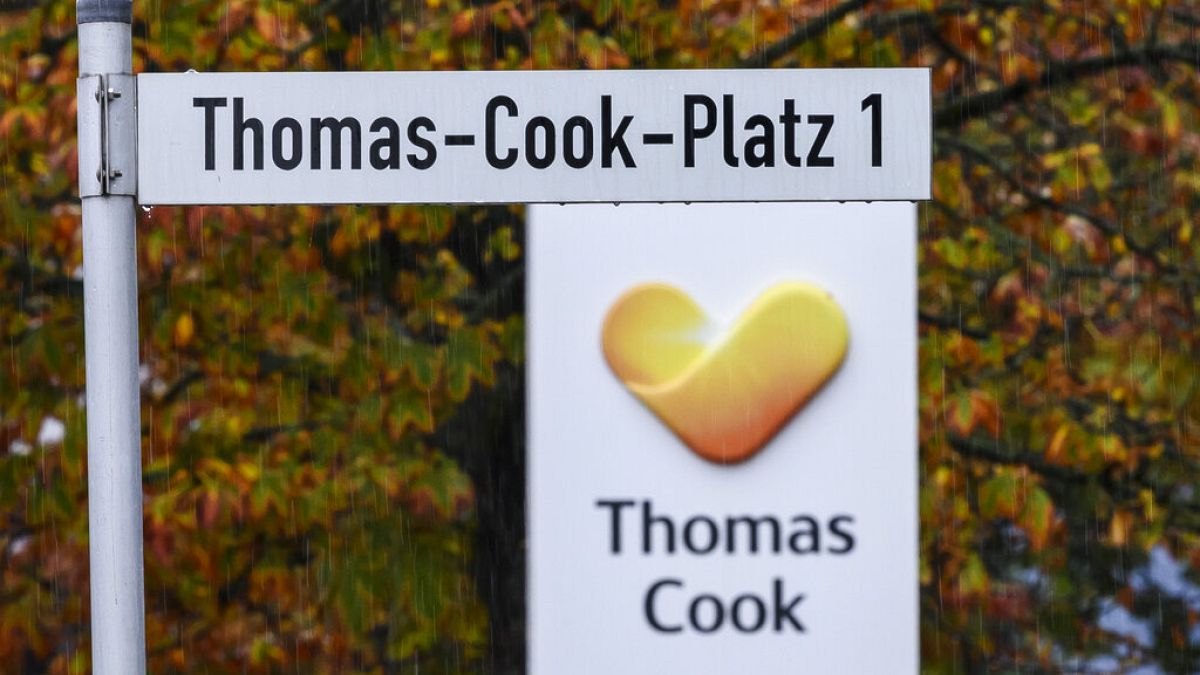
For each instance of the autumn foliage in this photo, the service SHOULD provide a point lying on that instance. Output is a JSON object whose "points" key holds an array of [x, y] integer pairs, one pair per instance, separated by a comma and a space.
{"points": [[332, 477]]}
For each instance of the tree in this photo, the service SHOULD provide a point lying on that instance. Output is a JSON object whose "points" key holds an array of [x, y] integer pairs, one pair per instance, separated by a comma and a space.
{"points": [[332, 396]]}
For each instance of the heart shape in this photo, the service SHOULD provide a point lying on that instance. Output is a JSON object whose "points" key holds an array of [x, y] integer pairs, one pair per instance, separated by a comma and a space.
{"points": [[725, 394]]}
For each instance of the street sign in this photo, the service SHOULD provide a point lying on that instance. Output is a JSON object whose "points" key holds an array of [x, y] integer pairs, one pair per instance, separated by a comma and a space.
{"points": [[554, 136], [722, 439]]}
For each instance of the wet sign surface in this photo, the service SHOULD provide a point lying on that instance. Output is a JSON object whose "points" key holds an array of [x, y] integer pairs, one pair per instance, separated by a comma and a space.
{"points": [[722, 439], [557, 136]]}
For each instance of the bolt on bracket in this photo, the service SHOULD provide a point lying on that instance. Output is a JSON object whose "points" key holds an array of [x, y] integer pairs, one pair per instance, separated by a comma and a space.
{"points": [[107, 116]]}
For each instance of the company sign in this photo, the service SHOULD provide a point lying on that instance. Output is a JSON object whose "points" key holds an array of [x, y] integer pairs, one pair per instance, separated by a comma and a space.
{"points": [[556, 136], [722, 439]]}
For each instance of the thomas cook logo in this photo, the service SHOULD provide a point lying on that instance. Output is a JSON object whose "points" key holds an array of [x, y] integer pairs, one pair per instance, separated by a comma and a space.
{"points": [[725, 392]]}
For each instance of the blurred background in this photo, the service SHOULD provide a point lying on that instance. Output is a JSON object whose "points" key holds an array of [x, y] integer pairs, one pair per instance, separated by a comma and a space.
{"points": [[333, 398]]}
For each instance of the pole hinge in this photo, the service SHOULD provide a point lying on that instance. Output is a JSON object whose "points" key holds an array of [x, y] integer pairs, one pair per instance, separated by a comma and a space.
{"points": [[107, 108]]}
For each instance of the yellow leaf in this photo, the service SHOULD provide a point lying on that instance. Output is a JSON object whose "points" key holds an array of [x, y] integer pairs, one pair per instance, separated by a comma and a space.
{"points": [[249, 470], [1119, 528], [1058, 443], [185, 329], [1146, 497], [1170, 115], [973, 579]]}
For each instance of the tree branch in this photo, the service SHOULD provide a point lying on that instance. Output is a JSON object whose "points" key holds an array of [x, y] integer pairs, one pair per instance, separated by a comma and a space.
{"points": [[1008, 175], [952, 323], [996, 453], [808, 31], [959, 109], [19, 5], [1121, 486]]}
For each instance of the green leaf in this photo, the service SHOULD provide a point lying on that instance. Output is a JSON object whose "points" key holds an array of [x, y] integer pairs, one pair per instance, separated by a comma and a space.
{"points": [[471, 355], [410, 409], [999, 496], [1037, 518]]}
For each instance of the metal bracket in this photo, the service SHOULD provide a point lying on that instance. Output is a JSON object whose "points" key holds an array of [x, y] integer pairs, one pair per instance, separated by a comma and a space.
{"points": [[107, 109]]}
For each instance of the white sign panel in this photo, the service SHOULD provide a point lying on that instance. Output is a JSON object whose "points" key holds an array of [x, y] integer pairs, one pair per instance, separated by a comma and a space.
{"points": [[722, 439], [556, 136]]}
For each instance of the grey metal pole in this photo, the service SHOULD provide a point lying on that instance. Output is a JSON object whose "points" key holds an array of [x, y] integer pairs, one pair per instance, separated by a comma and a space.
{"points": [[110, 321]]}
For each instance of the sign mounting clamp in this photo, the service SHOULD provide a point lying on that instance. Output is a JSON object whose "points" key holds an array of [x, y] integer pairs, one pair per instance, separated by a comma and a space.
{"points": [[107, 135]]}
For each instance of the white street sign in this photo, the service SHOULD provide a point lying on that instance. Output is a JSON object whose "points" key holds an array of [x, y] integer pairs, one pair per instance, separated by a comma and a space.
{"points": [[722, 439], [554, 136]]}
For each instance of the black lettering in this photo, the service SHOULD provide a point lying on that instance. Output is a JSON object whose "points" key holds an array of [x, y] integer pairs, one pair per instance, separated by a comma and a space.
{"points": [[240, 126], [875, 103], [814, 152], [790, 121], [760, 611], [613, 141], [651, 617], [760, 149], [336, 127], [584, 156], [489, 123], [389, 142], [784, 612], [845, 535], [210, 106], [531, 152], [727, 130], [293, 125], [414, 137], [691, 132], [615, 526], [810, 530], [649, 520], [713, 535], [718, 617], [731, 527]]}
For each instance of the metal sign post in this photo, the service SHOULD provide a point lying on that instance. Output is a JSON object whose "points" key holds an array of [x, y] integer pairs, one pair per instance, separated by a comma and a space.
{"points": [[107, 186]]}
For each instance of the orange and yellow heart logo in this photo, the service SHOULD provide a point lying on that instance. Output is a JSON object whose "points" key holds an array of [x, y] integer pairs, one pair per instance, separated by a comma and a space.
{"points": [[725, 393]]}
